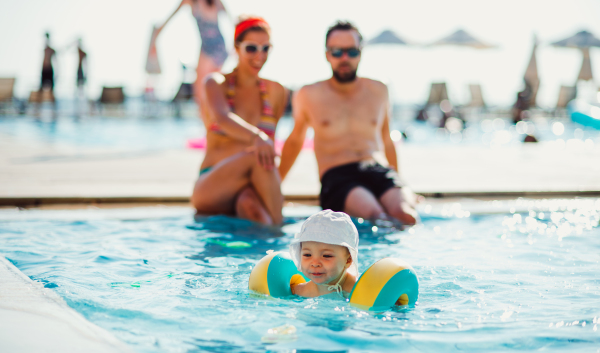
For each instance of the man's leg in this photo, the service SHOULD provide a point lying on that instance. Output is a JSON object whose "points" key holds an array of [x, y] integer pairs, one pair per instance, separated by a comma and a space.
{"points": [[360, 202], [396, 203]]}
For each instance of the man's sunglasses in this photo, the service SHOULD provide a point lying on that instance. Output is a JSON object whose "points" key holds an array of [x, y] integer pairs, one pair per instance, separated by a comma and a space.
{"points": [[338, 52], [253, 48]]}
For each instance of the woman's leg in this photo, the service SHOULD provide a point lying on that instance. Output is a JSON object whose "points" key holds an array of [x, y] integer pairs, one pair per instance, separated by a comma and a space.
{"points": [[217, 191]]}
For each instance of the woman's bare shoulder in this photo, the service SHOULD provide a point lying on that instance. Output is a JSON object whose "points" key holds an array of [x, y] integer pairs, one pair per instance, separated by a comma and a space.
{"points": [[274, 86], [215, 78]]}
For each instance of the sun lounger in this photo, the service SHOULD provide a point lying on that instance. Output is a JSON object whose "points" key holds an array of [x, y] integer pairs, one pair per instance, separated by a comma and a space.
{"points": [[112, 98], [40, 97], [565, 95], [112, 95], [437, 93], [476, 96], [7, 85], [6, 92]]}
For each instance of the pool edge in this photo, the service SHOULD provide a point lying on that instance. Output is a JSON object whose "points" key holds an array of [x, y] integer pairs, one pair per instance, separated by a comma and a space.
{"points": [[41, 200], [36, 319]]}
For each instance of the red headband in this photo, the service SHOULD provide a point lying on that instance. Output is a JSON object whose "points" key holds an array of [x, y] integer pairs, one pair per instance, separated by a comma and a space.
{"points": [[249, 23]]}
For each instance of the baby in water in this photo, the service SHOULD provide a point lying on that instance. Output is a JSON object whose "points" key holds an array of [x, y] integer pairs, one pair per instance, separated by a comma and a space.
{"points": [[326, 252]]}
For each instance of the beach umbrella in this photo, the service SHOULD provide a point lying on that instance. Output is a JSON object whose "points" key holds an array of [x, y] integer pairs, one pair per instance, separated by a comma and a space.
{"points": [[582, 40], [387, 37], [462, 38], [585, 73], [531, 76]]}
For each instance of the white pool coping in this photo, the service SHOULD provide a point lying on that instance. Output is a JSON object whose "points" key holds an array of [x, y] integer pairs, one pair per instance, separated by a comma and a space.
{"points": [[35, 319]]}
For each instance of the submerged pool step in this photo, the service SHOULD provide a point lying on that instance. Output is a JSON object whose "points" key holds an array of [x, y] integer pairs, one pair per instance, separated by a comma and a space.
{"points": [[35, 319]]}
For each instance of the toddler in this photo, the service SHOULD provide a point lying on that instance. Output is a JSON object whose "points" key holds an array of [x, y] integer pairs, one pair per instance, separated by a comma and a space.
{"points": [[326, 252]]}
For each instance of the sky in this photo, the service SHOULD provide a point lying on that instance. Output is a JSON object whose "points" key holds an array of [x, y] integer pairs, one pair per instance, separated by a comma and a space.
{"points": [[116, 35]]}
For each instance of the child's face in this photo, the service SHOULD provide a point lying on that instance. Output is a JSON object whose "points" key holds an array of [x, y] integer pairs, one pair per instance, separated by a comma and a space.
{"points": [[323, 263]]}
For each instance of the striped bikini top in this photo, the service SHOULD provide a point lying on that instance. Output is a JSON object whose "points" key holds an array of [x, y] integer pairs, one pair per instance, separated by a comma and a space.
{"points": [[267, 121]]}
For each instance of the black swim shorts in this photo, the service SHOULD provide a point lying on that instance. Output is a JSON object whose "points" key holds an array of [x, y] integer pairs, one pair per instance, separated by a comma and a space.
{"points": [[337, 182]]}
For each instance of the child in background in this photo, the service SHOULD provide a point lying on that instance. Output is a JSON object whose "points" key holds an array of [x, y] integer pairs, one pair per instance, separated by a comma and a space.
{"points": [[326, 252]]}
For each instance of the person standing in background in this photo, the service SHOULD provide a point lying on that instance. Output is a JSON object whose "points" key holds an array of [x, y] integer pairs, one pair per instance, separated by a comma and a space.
{"points": [[212, 51], [47, 81], [80, 97]]}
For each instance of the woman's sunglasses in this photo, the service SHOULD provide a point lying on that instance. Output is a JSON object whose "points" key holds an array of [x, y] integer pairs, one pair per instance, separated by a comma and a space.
{"points": [[253, 48], [338, 52]]}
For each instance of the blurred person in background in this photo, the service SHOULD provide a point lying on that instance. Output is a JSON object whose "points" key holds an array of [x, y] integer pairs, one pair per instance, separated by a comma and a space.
{"points": [[238, 174], [81, 77], [47, 82], [212, 51], [355, 154]]}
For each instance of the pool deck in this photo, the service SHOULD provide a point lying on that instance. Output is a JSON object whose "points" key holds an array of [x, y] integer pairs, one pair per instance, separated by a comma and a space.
{"points": [[38, 173], [36, 319]]}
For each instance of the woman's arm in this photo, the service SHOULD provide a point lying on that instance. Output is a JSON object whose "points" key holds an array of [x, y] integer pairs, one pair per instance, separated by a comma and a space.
{"points": [[234, 126], [221, 6], [183, 2]]}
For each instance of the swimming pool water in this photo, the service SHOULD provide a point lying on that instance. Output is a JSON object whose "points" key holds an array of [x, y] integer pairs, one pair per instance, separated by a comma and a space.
{"points": [[169, 133], [163, 282]]}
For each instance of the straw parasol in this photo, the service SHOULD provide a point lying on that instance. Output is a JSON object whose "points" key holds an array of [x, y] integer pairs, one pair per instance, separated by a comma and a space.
{"points": [[387, 37], [462, 38], [582, 40], [531, 76]]}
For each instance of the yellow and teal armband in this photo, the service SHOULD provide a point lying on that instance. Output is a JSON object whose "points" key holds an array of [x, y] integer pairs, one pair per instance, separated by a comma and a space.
{"points": [[387, 282], [274, 275]]}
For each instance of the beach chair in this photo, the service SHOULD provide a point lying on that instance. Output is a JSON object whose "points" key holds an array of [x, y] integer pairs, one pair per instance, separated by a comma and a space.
{"points": [[437, 93], [534, 86], [184, 94], [112, 95], [476, 96], [112, 98], [7, 85], [41, 97], [565, 95]]}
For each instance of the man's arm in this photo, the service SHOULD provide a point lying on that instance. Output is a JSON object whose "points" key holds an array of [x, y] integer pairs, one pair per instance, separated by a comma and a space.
{"points": [[388, 144], [293, 144]]}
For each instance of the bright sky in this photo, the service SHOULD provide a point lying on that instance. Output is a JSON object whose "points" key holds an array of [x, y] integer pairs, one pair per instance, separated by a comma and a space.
{"points": [[116, 34]]}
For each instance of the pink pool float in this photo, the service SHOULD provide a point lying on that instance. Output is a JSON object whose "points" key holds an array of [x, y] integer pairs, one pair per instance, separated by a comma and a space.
{"points": [[200, 143]]}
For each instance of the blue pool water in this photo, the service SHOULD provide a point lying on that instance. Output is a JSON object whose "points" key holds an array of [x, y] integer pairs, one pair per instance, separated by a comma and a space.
{"points": [[169, 133], [163, 282]]}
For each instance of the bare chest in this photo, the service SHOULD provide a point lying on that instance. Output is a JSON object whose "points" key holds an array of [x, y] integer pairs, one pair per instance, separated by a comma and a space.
{"points": [[341, 114]]}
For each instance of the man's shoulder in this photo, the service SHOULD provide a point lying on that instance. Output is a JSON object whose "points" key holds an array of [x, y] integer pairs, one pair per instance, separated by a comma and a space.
{"points": [[317, 86], [312, 89], [374, 84]]}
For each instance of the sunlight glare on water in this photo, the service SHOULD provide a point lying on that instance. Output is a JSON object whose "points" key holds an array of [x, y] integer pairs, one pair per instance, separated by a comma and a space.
{"points": [[163, 282]]}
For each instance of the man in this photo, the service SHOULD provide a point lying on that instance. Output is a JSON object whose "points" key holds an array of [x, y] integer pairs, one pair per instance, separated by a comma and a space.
{"points": [[355, 154]]}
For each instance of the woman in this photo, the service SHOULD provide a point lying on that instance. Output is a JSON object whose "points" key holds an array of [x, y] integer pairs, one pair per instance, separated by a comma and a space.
{"points": [[212, 51], [238, 175]]}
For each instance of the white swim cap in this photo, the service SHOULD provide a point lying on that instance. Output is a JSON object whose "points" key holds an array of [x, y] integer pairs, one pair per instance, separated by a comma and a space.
{"points": [[330, 228]]}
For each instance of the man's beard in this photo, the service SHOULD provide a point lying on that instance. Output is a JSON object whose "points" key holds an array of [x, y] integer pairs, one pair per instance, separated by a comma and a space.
{"points": [[346, 77]]}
